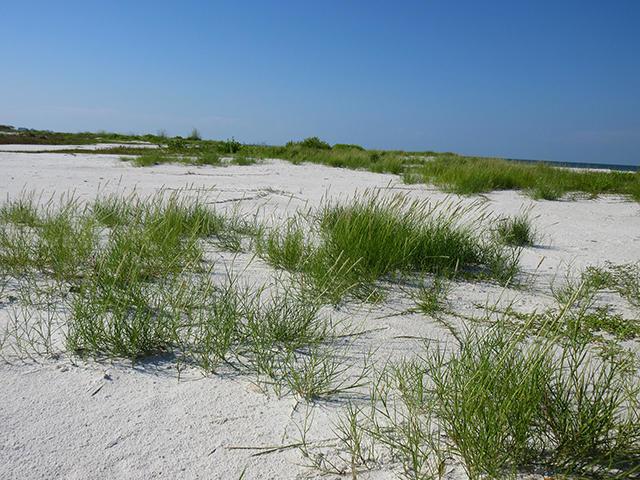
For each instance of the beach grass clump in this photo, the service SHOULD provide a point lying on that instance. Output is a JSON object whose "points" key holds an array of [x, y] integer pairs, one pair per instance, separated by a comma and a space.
{"points": [[113, 233], [213, 326], [506, 403], [158, 232], [589, 418], [243, 160], [502, 403], [111, 319], [470, 175], [146, 305], [208, 158], [318, 373], [488, 398], [382, 236], [59, 243], [387, 164], [287, 247], [113, 210], [150, 157], [185, 217], [285, 321], [230, 145], [17, 247], [204, 324], [21, 211], [65, 242], [146, 251], [516, 231], [351, 247]]}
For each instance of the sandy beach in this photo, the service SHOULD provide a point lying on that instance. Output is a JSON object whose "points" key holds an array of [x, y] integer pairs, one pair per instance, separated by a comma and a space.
{"points": [[74, 418]]}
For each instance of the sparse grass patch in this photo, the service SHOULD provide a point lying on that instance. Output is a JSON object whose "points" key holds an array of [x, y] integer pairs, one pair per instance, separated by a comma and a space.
{"points": [[431, 299], [503, 404], [150, 157], [138, 287], [488, 397], [243, 160], [623, 279], [113, 211], [132, 320], [584, 312], [58, 244], [319, 373], [65, 242], [22, 211]]}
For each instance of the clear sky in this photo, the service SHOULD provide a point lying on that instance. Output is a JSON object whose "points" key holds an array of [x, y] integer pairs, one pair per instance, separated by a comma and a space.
{"points": [[557, 80]]}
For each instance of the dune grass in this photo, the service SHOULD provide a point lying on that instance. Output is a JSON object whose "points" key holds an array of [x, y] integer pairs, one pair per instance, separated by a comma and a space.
{"points": [[22, 211], [506, 404], [57, 242], [384, 235], [455, 173], [375, 237], [502, 403], [431, 298], [517, 230], [133, 282], [470, 175], [596, 320], [131, 277]]}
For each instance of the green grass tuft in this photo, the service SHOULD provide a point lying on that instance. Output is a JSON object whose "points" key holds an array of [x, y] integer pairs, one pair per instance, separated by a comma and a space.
{"points": [[516, 231]]}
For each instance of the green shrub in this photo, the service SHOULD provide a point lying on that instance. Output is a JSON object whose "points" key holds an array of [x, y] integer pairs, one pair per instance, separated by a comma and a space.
{"points": [[230, 146], [347, 146], [311, 143]]}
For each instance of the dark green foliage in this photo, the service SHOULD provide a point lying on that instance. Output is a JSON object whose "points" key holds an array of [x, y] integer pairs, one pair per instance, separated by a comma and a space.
{"points": [[230, 146], [347, 146], [208, 158], [311, 143]]}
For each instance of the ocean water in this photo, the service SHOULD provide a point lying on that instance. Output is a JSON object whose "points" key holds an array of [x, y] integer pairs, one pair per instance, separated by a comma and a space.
{"points": [[608, 166]]}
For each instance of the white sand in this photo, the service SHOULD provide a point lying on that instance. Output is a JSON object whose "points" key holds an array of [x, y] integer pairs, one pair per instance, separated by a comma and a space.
{"points": [[144, 423], [95, 146]]}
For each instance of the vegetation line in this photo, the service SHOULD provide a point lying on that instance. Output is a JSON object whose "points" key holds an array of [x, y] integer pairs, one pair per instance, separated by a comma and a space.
{"points": [[452, 172]]}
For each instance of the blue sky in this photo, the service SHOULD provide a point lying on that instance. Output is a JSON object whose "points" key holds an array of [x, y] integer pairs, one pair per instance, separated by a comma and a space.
{"points": [[557, 80]]}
